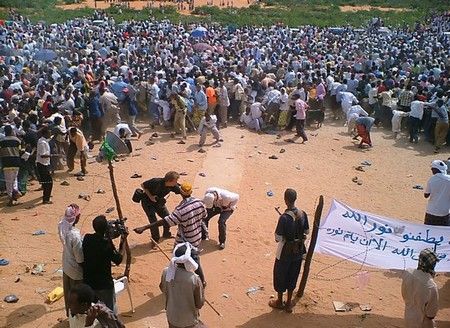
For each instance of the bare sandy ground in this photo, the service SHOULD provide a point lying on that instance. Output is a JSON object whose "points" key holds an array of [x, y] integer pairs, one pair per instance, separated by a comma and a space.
{"points": [[326, 166]]}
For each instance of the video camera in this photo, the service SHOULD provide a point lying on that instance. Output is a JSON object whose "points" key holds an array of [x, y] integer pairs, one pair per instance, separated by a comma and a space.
{"points": [[117, 228]]}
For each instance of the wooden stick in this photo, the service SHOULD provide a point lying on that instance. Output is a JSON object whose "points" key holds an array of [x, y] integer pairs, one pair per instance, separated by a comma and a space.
{"points": [[124, 240], [167, 256], [312, 245]]}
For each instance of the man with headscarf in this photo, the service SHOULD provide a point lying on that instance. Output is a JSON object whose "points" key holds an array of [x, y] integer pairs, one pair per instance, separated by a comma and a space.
{"points": [[420, 292], [182, 289], [72, 256], [222, 202], [438, 194]]}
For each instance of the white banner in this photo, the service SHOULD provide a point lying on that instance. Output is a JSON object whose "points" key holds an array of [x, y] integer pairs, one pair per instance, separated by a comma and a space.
{"points": [[378, 241]]}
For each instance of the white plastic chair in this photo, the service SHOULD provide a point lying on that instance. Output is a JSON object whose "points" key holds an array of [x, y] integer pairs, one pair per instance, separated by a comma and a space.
{"points": [[120, 285]]}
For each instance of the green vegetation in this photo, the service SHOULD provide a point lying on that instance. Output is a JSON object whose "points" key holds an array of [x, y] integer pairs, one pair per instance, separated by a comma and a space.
{"points": [[289, 12]]}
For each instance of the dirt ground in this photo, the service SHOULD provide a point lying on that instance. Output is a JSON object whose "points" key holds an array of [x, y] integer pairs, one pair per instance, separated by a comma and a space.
{"points": [[324, 166]]}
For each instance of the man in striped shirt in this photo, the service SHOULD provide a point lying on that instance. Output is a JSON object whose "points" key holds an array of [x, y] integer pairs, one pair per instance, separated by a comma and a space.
{"points": [[188, 216]]}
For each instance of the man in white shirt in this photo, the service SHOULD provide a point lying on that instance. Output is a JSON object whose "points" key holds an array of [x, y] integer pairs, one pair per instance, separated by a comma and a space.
{"points": [[415, 116], [420, 292], [43, 165], [123, 131], [208, 122], [347, 100], [222, 202], [438, 194]]}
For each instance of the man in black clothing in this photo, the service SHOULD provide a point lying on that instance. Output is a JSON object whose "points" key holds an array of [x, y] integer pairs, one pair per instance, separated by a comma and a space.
{"points": [[154, 202], [99, 251], [290, 233]]}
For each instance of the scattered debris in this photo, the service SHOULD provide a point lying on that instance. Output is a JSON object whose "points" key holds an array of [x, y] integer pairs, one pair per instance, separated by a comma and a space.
{"points": [[153, 158], [418, 187], [260, 152], [181, 142], [278, 136], [4, 262], [217, 145], [84, 196], [190, 160], [242, 137], [344, 307], [282, 150], [225, 296], [110, 209], [273, 157], [357, 181], [101, 191], [366, 163], [183, 173], [38, 269], [17, 279], [39, 233], [298, 167], [80, 178], [202, 174], [155, 135], [136, 176], [365, 307], [11, 299], [140, 148], [55, 295], [337, 139], [270, 193], [409, 176], [201, 150], [65, 183], [230, 158], [253, 290], [360, 168]]}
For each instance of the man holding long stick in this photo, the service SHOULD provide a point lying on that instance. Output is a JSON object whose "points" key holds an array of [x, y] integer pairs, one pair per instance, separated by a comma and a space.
{"points": [[189, 216]]}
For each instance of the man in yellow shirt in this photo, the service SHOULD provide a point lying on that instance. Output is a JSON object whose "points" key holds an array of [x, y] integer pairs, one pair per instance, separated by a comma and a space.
{"points": [[78, 143]]}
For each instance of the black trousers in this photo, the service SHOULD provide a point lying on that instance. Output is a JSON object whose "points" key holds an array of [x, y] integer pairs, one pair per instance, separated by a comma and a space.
{"points": [[46, 180], [300, 127], [223, 217], [151, 210]]}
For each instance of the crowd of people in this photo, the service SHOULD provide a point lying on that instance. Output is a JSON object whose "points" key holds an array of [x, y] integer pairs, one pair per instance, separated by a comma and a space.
{"points": [[64, 85]]}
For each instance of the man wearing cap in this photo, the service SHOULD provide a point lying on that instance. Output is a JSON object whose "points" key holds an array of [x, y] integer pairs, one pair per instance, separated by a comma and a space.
{"points": [[222, 202], [188, 216], [420, 292], [182, 289], [438, 194]]}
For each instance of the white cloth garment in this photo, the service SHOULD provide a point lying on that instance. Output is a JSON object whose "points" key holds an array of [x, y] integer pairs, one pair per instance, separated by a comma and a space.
{"points": [[189, 264]]}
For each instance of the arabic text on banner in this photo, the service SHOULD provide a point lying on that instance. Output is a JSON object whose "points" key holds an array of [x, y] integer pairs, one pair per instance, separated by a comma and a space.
{"points": [[379, 241]]}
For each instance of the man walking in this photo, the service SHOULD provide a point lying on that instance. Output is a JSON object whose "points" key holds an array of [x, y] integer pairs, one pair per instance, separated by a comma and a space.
{"points": [[43, 165], [11, 162], [438, 194], [154, 202], [290, 233], [78, 143], [222, 202], [441, 128]]}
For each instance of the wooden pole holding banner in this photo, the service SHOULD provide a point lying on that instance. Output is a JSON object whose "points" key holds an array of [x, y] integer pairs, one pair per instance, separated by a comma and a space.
{"points": [[123, 239], [312, 245]]}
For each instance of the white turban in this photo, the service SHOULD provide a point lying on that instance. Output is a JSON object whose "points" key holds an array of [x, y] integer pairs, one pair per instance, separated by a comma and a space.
{"points": [[186, 259]]}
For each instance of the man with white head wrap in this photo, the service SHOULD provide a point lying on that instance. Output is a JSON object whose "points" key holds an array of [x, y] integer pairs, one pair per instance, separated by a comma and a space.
{"points": [[182, 289], [438, 194], [72, 255]]}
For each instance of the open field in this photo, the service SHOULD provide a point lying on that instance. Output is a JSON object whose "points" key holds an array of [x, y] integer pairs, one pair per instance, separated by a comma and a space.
{"points": [[290, 12]]}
